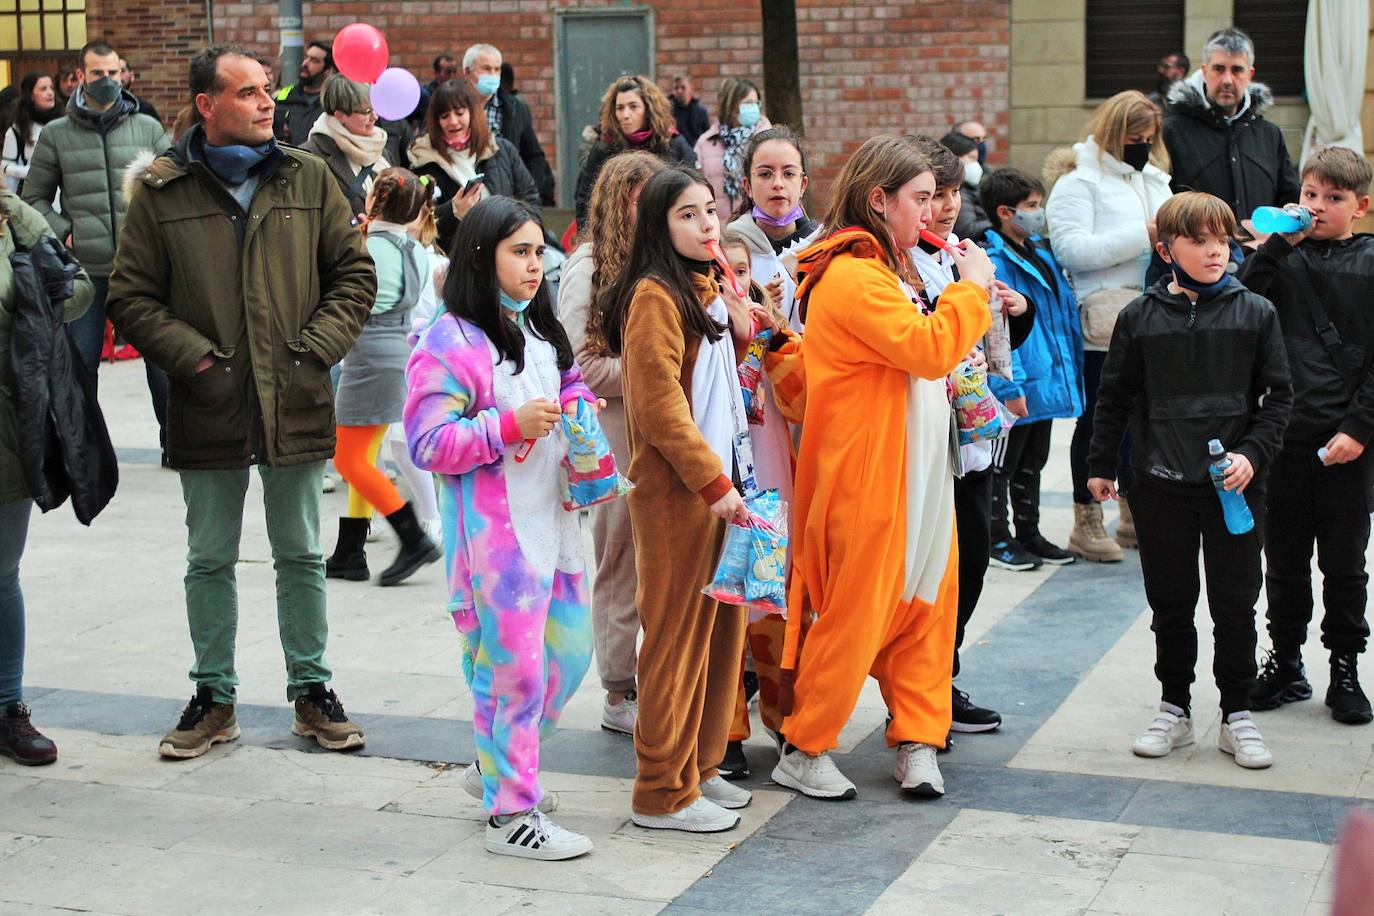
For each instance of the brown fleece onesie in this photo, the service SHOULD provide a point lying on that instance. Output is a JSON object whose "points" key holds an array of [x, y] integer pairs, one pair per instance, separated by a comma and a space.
{"points": [[689, 663]]}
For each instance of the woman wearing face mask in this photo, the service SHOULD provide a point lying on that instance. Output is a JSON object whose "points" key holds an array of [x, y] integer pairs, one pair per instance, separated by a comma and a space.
{"points": [[875, 448], [348, 138], [720, 151], [458, 146], [35, 106], [635, 114], [972, 221], [1101, 213]]}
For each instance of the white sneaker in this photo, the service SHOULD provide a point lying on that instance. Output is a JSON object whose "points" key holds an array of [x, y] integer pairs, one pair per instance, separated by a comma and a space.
{"points": [[701, 816], [328, 484], [816, 776], [1241, 738], [726, 794], [1168, 731], [472, 784], [621, 717], [533, 836], [434, 530], [917, 770]]}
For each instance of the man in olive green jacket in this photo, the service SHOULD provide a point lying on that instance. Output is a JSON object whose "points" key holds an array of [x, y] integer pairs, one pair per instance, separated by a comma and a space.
{"points": [[239, 274]]}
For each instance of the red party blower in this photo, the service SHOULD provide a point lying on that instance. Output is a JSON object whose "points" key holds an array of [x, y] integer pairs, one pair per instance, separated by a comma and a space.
{"points": [[933, 239], [714, 247]]}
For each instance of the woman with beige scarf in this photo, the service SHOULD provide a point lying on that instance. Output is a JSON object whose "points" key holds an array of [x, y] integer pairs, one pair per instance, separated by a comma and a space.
{"points": [[348, 138]]}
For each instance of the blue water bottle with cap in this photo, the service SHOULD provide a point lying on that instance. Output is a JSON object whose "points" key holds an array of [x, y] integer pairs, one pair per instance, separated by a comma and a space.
{"points": [[1233, 505], [1292, 218]]}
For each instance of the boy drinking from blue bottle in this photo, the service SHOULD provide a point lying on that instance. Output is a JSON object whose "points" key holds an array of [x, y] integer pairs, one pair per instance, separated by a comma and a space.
{"points": [[1319, 280], [1196, 357]]}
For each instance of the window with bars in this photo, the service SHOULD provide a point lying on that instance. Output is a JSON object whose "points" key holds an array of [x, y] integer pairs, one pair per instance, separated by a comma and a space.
{"points": [[37, 28], [1279, 30]]}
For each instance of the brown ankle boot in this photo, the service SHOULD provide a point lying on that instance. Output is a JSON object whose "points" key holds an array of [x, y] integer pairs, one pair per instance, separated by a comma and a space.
{"points": [[1089, 538], [1125, 527]]}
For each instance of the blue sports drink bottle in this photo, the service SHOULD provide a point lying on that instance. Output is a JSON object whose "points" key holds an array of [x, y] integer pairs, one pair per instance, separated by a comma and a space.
{"points": [[1233, 505]]}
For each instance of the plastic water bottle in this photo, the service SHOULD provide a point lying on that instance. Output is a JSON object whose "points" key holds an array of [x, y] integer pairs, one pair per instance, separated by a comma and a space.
{"points": [[1233, 505], [1281, 219]]}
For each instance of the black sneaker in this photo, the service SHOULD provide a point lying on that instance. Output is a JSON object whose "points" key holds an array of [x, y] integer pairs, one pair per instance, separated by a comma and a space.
{"points": [[1049, 553], [20, 741], [751, 688], [1011, 555], [1348, 703], [949, 744], [735, 766], [1281, 680], [971, 719]]}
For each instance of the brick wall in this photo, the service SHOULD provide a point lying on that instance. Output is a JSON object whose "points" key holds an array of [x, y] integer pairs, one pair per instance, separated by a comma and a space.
{"points": [[867, 67]]}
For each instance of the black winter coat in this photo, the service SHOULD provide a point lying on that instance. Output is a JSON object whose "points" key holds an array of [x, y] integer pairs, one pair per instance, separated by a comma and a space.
{"points": [[517, 126], [64, 447], [1327, 398], [505, 176], [1182, 373], [677, 152], [1244, 162]]}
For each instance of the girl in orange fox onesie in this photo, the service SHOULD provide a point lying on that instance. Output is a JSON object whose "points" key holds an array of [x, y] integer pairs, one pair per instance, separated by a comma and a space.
{"points": [[875, 563]]}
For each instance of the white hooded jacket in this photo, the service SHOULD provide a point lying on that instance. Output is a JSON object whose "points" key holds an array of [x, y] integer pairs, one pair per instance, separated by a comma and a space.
{"points": [[1097, 214]]}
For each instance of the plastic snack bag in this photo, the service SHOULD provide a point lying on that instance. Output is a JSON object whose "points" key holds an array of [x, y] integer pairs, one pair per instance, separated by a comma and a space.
{"points": [[590, 476], [979, 415], [753, 561], [751, 374]]}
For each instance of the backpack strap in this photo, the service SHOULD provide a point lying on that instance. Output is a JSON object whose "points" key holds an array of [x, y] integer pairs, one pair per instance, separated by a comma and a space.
{"points": [[359, 180], [1321, 322]]}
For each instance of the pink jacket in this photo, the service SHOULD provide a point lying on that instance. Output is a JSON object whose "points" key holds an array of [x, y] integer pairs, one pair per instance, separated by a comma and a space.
{"points": [[711, 160]]}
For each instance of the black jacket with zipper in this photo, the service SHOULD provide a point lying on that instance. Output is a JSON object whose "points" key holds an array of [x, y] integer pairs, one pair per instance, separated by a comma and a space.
{"points": [[1327, 398], [1181, 373]]}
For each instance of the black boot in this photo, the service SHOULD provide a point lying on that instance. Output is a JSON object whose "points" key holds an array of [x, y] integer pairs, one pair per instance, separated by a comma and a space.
{"points": [[1281, 680], [1347, 701], [20, 741], [350, 553], [416, 548]]}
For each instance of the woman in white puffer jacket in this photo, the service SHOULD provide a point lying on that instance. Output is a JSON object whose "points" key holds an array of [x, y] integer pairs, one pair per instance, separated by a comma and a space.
{"points": [[1101, 215]]}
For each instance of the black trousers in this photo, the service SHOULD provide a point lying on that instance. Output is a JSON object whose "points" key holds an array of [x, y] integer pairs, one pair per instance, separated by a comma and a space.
{"points": [[1171, 523], [1081, 444], [1017, 462], [1310, 504], [972, 503]]}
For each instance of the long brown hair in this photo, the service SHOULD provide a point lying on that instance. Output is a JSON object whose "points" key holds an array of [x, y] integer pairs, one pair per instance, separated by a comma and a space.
{"points": [[400, 196], [458, 95], [611, 228], [886, 162], [655, 103]]}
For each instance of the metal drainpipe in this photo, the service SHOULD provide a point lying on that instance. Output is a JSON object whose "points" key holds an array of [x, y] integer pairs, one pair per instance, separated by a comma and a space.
{"points": [[210, 22], [292, 40]]}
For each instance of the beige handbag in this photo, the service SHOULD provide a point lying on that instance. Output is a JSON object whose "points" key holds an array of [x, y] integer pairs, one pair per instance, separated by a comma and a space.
{"points": [[1097, 312]]}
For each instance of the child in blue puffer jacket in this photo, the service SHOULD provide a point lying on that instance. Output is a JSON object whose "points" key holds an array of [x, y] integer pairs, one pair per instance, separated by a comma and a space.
{"points": [[1047, 369]]}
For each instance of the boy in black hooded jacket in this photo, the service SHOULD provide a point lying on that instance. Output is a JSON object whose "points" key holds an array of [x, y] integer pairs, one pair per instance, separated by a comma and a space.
{"points": [[1319, 281], [1191, 360]]}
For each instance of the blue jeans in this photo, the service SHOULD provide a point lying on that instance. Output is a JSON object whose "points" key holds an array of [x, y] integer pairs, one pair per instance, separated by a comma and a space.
{"points": [[14, 531], [88, 333]]}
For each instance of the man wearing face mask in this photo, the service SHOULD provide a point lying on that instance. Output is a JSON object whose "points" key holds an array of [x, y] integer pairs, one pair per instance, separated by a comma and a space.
{"points": [[1047, 369], [83, 155], [1218, 139], [972, 222], [298, 105], [508, 117]]}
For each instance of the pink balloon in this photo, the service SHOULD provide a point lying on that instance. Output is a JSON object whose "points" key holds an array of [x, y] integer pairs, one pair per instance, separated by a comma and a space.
{"points": [[395, 94], [360, 52]]}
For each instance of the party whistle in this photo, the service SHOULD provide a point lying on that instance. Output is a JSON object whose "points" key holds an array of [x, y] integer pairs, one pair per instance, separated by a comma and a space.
{"points": [[714, 247], [523, 451], [933, 239]]}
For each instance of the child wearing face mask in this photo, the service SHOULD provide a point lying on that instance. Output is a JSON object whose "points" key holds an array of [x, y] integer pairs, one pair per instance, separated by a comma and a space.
{"points": [[1196, 358], [680, 337], [487, 383], [1047, 369]]}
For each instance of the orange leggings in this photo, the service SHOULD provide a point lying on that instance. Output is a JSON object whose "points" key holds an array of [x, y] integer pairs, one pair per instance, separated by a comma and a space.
{"points": [[356, 458]]}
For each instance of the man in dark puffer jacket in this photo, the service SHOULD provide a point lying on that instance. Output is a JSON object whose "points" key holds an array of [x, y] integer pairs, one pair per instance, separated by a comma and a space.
{"points": [[1218, 139]]}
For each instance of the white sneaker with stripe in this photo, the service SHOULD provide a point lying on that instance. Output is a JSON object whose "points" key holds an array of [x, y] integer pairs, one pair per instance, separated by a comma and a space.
{"points": [[533, 836]]}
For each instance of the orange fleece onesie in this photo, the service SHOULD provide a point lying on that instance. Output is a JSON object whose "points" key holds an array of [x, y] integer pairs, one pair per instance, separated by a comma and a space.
{"points": [[874, 557], [689, 662]]}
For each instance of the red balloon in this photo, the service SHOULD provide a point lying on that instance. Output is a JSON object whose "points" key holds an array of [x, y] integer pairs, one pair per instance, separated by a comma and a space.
{"points": [[360, 52]]}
